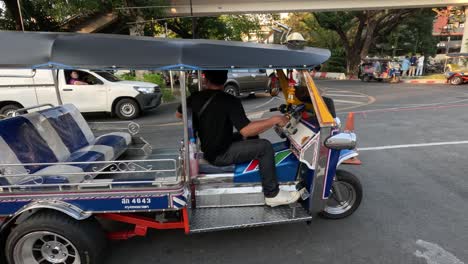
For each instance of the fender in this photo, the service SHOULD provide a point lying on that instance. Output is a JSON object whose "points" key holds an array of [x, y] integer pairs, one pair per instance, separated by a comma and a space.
{"points": [[346, 154], [63, 207]]}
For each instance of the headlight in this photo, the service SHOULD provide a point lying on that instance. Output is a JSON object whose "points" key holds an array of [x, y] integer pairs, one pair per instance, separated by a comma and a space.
{"points": [[144, 90]]}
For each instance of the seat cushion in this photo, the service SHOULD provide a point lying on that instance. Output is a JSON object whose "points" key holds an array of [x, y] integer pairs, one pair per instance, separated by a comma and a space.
{"points": [[118, 141], [91, 154], [206, 168], [21, 138], [70, 126]]}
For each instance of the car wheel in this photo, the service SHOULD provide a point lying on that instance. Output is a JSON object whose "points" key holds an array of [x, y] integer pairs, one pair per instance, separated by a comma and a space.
{"points": [[456, 80], [52, 237], [8, 110], [231, 89], [127, 109], [366, 78]]}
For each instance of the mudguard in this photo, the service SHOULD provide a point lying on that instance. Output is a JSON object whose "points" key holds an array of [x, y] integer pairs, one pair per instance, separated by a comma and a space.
{"points": [[346, 154]]}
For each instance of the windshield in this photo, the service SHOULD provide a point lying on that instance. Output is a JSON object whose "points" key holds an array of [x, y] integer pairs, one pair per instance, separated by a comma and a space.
{"points": [[108, 76]]}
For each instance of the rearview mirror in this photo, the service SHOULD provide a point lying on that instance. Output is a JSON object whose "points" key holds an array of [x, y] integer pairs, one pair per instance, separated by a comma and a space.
{"points": [[341, 141]]}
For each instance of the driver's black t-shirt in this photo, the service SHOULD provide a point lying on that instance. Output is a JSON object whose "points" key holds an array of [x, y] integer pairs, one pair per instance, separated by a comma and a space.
{"points": [[215, 127]]}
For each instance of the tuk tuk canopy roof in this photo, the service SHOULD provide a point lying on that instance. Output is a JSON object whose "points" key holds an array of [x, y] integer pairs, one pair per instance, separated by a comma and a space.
{"points": [[106, 51]]}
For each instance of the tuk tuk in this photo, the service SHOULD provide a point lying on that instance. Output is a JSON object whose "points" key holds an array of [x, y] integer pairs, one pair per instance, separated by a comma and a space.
{"points": [[60, 180], [380, 70], [455, 68]]}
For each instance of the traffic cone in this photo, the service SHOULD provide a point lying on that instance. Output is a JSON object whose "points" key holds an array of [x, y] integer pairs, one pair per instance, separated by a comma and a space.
{"points": [[349, 122], [349, 127]]}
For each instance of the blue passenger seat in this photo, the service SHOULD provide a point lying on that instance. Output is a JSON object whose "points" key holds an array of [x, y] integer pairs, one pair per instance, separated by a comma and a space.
{"points": [[51, 136]]}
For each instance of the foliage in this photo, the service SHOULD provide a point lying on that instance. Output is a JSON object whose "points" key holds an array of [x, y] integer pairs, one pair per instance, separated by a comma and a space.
{"points": [[127, 76], [47, 15], [316, 36], [168, 96], [156, 78], [413, 35]]}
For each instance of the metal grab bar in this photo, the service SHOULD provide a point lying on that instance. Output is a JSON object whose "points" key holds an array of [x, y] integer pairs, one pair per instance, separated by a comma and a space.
{"points": [[15, 113], [19, 75]]}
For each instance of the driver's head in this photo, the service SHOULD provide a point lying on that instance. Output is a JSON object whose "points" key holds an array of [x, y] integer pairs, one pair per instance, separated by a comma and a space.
{"points": [[74, 75], [215, 79]]}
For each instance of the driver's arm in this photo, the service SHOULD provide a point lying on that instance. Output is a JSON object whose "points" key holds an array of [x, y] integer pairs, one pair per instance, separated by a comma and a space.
{"points": [[257, 127], [249, 128], [80, 83]]}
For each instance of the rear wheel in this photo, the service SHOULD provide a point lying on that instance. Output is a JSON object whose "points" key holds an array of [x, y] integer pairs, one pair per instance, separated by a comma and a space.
{"points": [[366, 78], [457, 80], [350, 190], [127, 109], [231, 89], [50, 237], [9, 110]]}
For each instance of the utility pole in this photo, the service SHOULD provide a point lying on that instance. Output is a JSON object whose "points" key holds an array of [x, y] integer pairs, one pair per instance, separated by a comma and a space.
{"points": [[20, 14]]}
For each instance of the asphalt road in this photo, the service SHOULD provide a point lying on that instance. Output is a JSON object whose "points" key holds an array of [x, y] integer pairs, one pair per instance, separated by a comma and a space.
{"points": [[413, 141]]}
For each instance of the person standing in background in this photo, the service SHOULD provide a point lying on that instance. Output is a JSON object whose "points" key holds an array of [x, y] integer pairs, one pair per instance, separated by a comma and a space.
{"points": [[405, 65], [419, 71], [413, 62]]}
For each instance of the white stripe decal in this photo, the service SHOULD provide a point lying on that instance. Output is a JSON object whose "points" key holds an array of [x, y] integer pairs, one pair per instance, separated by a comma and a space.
{"points": [[179, 201], [414, 145]]}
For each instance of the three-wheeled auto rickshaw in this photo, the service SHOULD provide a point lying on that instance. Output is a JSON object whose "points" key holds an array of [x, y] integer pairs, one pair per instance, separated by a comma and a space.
{"points": [[60, 180], [379, 69], [456, 70]]}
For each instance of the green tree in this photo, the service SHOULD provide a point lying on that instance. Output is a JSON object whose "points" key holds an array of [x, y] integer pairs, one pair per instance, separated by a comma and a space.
{"points": [[358, 30]]}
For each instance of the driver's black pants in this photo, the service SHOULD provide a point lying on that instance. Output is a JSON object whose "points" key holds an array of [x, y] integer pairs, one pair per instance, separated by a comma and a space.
{"points": [[247, 150]]}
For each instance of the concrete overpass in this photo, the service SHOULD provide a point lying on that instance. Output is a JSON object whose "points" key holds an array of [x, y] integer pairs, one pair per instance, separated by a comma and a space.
{"points": [[218, 7]]}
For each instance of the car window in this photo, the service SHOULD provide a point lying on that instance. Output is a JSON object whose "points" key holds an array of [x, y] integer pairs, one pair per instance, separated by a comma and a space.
{"points": [[108, 76]]}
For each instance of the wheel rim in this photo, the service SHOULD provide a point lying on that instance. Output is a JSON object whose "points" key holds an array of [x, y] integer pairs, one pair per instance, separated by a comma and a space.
{"points": [[348, 194], [127, 109], [9, 113], [43, 247], [456, 80], [230, 90]]}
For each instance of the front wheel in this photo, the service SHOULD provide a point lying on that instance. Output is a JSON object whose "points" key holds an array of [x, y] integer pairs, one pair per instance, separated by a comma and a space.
{"points": [[51, 237], [127, 109], [350, 190]]}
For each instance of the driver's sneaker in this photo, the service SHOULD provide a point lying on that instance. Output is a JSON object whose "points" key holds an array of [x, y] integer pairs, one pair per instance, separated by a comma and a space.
{"points": [[282, 198]]}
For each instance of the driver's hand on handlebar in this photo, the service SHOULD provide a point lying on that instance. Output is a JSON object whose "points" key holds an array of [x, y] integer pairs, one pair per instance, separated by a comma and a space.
{"points": [[281, 120]]}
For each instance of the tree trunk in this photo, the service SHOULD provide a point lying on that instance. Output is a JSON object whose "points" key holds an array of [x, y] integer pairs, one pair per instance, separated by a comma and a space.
{"points": [[12, 7]]}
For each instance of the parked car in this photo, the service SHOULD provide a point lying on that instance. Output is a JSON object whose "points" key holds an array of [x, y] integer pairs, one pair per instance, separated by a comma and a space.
{"points": [[242, 81], [102, 92]]}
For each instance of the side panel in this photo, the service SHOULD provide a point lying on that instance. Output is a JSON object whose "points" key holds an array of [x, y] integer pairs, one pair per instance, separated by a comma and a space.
{"points": [[286, 166]]}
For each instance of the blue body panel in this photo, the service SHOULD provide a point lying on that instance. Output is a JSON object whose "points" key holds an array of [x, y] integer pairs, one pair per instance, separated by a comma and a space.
{"points": [[121, 203], [286, 168]]}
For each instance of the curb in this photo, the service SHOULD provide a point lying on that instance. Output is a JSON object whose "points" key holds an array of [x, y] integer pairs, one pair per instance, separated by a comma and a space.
{"points": [[424, 81], [328, 75]]}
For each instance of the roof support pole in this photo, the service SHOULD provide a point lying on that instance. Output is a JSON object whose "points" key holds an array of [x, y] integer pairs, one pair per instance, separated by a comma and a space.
{"points": [[183, 95], [55, 74]]}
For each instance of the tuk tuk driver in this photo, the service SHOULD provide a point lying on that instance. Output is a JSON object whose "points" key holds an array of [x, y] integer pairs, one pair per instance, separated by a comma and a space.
{"points": [[215, 113]]}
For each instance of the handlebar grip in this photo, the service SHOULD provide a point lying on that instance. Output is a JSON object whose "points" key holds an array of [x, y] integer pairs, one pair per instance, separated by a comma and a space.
{"points": [[274, 109]]}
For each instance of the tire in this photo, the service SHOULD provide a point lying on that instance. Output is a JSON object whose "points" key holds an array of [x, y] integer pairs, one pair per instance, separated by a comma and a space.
{"points": [[56, 238], [127, 109], [352, 197], [7, 110], [231, 89], [457, 80], [366, 78]]}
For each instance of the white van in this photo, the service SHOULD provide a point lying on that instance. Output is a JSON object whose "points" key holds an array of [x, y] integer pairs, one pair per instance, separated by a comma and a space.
{"points": [[99, 91]]}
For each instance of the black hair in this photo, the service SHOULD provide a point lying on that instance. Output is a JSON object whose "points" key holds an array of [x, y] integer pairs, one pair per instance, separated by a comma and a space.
{"points": [[216, 77]]}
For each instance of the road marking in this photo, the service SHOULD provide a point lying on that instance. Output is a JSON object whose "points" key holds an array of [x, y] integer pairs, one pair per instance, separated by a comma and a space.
{"points": [[414, 145], [269, 101], [347, 102], [345, 95], [435, 254]]}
